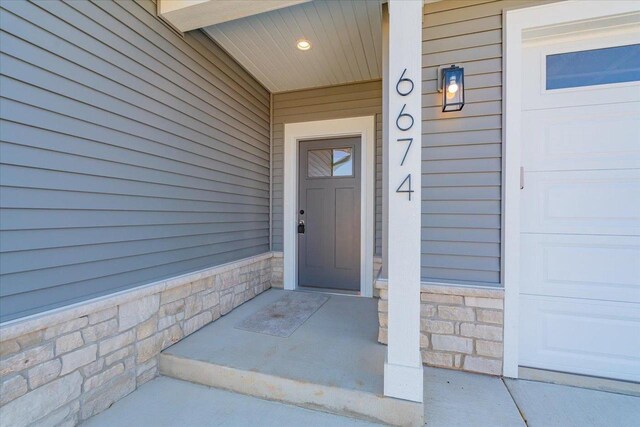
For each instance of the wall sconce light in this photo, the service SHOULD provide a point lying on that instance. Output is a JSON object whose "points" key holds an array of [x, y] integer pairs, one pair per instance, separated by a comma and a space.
{"points": [[451, 84]]}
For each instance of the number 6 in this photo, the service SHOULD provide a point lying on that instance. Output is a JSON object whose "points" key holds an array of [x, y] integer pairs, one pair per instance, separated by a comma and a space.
{"points": [[403, 114], [402, 79]]}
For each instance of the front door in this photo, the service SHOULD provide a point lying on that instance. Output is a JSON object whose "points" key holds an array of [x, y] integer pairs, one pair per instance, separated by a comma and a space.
{"points": [[329, 214]]}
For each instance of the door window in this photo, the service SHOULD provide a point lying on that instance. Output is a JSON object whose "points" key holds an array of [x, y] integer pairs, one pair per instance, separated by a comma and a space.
{"points": [[330, 162]]}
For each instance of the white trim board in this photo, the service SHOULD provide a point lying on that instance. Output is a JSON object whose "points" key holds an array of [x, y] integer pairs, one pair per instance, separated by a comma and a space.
{"points": [[293, 133], [515, 23]]}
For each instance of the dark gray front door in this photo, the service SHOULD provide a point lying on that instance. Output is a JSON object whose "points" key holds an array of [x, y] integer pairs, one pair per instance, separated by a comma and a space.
{"points": [[329, 207]]}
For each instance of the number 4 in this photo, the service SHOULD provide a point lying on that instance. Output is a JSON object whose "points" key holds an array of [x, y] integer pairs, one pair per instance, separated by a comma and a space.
{"points": [[399, 190]]}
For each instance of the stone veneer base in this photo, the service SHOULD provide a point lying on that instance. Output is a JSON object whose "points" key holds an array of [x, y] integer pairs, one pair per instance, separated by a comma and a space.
{"points": [[277, 270], [460, 327], [64, 366]]}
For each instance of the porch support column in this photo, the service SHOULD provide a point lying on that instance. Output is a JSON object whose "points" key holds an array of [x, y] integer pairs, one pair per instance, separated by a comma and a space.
{"points": [[385, 139], [403, 367]]}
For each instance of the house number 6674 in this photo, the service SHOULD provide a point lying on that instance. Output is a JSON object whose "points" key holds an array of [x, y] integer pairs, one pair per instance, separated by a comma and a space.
{"points": [[404, 122]]}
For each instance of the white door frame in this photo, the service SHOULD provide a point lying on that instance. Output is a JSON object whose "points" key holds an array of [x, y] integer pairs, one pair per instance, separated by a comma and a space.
{"points": [[515, 22], [293, 133]]}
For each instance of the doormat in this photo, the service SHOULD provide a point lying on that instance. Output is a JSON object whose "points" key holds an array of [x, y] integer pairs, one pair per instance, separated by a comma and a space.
{"points": [[284, 316]]}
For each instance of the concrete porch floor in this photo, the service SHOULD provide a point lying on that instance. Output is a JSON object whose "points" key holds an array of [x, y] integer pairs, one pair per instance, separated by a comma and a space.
{"points": [[336, 348], [332, 362]]}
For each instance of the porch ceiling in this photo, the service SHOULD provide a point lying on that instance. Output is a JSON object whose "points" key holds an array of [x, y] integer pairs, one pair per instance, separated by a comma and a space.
{"points": [[346, 39]]}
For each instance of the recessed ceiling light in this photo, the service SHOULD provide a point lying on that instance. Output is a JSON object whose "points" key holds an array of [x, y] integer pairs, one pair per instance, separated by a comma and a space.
{"points": [[303, 44]]}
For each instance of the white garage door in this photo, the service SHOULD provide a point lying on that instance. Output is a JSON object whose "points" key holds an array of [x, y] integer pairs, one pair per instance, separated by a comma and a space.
{"points": [[580, 210]]}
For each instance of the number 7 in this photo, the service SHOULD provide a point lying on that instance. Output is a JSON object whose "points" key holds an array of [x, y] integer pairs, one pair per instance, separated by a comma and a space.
{"points": [[407, 150]]}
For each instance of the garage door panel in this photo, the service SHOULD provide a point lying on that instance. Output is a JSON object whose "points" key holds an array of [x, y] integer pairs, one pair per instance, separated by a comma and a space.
{"points": [[586, 337], [581, 266], [582, 202], [590, 137]]}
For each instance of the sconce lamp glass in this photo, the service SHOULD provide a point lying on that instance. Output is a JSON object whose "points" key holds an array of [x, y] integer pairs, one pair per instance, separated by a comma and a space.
{"points": [[452, 88]]}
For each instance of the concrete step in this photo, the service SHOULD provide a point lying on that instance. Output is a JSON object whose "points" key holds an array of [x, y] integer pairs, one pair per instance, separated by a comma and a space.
{"points": [[168, 402], [335, 400]]}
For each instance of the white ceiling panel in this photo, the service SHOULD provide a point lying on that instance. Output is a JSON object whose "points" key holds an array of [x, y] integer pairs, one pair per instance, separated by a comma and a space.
{"points": [[345, 36]]}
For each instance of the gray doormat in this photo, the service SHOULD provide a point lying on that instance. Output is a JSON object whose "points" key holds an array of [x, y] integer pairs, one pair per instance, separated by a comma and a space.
{"points": [[284, 316]]}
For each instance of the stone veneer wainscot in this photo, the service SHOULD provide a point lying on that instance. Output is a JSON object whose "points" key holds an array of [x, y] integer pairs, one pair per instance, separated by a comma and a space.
{"points": [[277, 270], [64, 366], [461, 327]]}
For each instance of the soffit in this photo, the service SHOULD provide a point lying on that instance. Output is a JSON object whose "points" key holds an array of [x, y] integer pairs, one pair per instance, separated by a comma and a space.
{"points": [[186, 15], [346, 39]]}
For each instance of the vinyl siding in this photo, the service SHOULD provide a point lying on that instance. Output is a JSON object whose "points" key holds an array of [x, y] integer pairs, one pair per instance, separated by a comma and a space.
{"points": [[461, 151], [334, 102], [129, 154]]}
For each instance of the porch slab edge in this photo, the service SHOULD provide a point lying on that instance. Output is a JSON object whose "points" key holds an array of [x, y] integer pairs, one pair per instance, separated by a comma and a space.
{"points": [[324, 398]]}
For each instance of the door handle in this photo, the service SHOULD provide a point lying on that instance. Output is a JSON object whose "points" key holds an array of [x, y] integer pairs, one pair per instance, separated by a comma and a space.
{"points": [[301, 227]]}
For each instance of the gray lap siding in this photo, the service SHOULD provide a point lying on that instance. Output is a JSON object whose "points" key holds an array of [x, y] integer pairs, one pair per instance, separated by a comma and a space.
{"points": [[461, 151], [129, 154]]}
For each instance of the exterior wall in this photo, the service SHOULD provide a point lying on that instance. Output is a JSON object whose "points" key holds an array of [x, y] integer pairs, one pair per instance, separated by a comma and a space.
{"points": [[66, 366], [334, 102], [130, 154], [461, 152], [460, 327]]}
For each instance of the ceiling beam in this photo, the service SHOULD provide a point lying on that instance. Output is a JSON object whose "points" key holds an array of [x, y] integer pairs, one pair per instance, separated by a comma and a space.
{"points": [[188, 15]]}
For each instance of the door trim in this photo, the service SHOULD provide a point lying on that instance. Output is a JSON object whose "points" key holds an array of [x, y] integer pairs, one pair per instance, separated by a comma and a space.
{"points": [[293, 133], [515, 22]]}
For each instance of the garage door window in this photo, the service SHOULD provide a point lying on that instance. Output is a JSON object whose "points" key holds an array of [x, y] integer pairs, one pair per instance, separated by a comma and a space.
{"points": [[593, 67]]}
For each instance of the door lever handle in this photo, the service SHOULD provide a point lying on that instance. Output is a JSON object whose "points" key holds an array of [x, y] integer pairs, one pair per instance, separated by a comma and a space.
{"points": [[301, 227]]}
